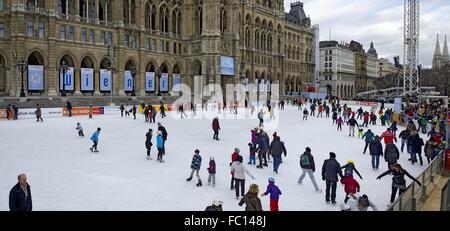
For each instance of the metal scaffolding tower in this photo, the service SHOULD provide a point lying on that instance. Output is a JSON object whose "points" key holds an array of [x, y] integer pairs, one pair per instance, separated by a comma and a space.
{"points": [[411, 72]]}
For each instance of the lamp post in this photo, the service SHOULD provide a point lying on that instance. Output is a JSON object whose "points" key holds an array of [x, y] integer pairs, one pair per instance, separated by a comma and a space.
{"points": [[158, 74], [63, 68], [133, 75], [22, 66]]}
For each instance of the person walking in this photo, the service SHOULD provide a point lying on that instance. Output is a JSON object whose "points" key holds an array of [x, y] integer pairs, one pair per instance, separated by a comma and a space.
{"points": [[368, 138], [212, 172], [216, 128], [95, 138], [376, 150], [308, 166], [398, 180], [38, 114], [148, 142], [274, 192], [276, 149], [251, 200], [195, 167], [20, 196], [239, 171], [331, 169]]}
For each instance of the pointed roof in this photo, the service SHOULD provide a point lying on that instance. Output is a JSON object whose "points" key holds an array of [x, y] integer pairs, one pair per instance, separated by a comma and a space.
{"points": [[437, 50], [445, 47]]}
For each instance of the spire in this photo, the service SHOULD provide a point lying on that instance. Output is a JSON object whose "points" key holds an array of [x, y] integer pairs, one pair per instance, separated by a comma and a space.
{"points": [[437, 50], [445, 47]]}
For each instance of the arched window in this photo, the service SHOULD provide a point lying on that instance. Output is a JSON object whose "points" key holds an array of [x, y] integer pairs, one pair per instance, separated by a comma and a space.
{"points": [[198, 17], [176, 21], [263, 41], [91, 12], [257, 40], [126, 11], [247, 37], [149, 16], [83, 8], [223, 21], [269, 43], [35, 3], [104, 10], [164, 19]]}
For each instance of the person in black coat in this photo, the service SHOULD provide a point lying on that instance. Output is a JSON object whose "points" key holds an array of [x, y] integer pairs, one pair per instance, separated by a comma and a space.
{"points": [[398, 180], [69, 108], [376, 150], [349, 168], [122, 108], [416, 145], [391, 154], [352, 122], [134, 111], [20, 196], [215, 207], [148, 142], [16, 112], [330, 171]]}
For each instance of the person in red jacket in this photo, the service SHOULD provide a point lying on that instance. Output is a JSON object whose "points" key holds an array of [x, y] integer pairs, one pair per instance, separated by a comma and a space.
{"points": [[388, 137], [351, 186], [216, 128], [320, 110], [365, 119], [234, 158]]}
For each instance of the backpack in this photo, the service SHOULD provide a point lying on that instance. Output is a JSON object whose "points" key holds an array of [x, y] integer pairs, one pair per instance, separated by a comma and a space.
{"points": [[304, 161]]}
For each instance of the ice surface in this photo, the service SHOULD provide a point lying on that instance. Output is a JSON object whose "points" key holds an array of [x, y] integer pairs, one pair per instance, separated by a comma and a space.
{"points": [[65, 175]]}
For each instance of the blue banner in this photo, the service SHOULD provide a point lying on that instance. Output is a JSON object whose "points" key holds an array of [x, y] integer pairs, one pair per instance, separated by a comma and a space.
{"points": [[127, 81], [35, 78], [105, 80], [176, 83], [261, 86], [164, 82], [227, 65], [150, 82], [87, 79], [69, 79]]}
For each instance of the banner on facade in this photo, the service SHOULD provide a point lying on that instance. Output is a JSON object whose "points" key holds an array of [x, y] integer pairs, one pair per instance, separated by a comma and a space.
{"points": [[261, 86], [35, 78], [268, 86], [87, 79], [164, 82], [246, 84], [68, 80], [127, 81], [176, 84], [150, 81], [105, 80], [398, 105]]}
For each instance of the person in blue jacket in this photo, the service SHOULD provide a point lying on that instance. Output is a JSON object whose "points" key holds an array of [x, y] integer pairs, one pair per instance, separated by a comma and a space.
{"points": [[160, 146], [195, 166], [274, 192], [20, 196], [94, 139], [368, 138]]}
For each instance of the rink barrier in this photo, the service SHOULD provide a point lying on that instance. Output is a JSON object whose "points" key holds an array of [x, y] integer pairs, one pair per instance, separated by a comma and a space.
{"points": [[414, 196]]}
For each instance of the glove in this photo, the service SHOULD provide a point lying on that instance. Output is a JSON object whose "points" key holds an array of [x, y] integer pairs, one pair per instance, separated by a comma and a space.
{"points": [[378, 178], [323, 178]]}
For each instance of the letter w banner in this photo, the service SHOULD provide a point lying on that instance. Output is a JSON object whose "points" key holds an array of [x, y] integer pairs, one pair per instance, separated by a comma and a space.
{"points": [[77, 111], [176, 85], [150, 81], [35, 78], [69, 84], [164, 82], [128, 81], [87, 79]]}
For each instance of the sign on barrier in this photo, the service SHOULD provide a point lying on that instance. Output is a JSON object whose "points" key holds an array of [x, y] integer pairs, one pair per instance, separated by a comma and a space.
{"points": [[76, 111]]}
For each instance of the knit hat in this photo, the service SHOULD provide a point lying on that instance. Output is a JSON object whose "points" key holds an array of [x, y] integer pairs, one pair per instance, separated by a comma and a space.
{"points": [[217, 202], [332, 155], [308, 149], [350, 162], [271, 179], [236, 150]]}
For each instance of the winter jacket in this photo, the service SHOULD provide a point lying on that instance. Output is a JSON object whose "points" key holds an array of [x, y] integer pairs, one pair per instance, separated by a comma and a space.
{"points": [[239, 170], [277, 148], [79, 128], [368, 136], [418, 145], [351, 185], [331, 169], [310, 160], [273, 190], [391, 153], [388, 137], [159, 141], [95, 136], [148, 140], [339, 121], [38, 112], [352, 122], [17, 201], [234, 157], [404, 135], [196, 162], [212, 167], [260, 115], [348, 170], [398, 178], [394, 127], [263, 144], [215, 125], [251, 201], [254, 136], [376, 148], [366, 117], [213, 208], [430, 148], [334, 116], [164, 132], [69, 106]]}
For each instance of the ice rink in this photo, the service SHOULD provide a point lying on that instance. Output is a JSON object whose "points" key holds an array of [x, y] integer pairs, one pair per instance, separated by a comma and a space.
{"points": [[65, 175]]}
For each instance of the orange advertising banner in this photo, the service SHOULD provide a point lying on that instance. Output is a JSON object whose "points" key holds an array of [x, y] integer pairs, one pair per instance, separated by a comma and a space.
{"points": [[2, 113], [77, 111]]}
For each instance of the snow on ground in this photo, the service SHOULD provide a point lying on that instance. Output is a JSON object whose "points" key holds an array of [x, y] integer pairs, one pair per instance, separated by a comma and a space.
{"points": [[65, 175]]}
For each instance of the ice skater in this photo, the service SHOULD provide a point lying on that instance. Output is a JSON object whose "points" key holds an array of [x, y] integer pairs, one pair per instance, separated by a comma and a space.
{"points": [[305, 114], [38, 113], [261, 118], [95, 138], [331, 169], [212, 172], [216, 128], [339, 123], [148, 142], [274, 192], [80, 130], [308, 166], [195, 167], [134, 112], [252, 155], [398, 180], [160, 146], [239, 171], [162, 110], [91, 111]]}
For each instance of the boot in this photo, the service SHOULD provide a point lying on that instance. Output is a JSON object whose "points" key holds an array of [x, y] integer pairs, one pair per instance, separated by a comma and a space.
{"points": [[199, 184], [189, 179]]}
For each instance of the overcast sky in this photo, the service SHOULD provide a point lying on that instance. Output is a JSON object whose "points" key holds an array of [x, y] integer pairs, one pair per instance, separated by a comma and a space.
{"points": [[380, 21]]}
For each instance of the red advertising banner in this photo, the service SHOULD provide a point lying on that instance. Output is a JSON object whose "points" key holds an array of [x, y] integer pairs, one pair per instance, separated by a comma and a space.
{"points": [[365, 103], [76, 111]]}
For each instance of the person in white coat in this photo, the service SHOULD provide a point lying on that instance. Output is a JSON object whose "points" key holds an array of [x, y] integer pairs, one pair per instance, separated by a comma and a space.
{"points": [[239, 175]]}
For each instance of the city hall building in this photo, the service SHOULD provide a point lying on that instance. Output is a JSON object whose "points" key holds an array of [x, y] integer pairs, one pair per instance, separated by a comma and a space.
{"points": [[93, 47]]}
